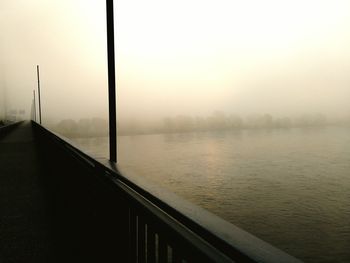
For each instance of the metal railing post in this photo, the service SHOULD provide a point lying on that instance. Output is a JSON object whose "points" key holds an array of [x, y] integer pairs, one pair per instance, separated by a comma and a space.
{"points": [[111, 82]]}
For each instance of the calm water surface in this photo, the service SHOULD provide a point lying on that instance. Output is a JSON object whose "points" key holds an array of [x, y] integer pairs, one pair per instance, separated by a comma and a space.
{"points": [[289, 187]]}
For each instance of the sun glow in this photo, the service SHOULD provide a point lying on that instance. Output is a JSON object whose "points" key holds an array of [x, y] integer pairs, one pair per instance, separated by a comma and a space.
{"points": [[215, 46], [182, 28]]}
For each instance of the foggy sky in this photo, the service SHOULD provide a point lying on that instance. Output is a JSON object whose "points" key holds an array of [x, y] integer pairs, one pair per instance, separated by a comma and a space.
{"points": [[178, 57]]}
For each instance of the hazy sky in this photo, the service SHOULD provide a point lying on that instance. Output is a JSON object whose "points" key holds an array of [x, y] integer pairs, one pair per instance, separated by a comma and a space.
{"points": [[177, 57]]}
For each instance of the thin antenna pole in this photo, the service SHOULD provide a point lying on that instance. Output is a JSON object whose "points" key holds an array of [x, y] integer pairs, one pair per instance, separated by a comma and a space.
{"points": [[32, 111], [111, 83], [38, 75], [5, 102], [34, 108]]}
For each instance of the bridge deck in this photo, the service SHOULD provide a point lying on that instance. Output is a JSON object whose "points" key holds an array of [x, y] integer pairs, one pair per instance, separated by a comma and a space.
{"points": [[24, 224], [58, 204]]}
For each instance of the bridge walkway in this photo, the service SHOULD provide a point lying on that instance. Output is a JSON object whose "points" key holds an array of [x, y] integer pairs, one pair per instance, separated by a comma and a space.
{"points": [[24, 224]]}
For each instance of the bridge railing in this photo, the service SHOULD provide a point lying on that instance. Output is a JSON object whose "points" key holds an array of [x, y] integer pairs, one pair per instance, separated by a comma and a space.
{"points": [[138, 220]]}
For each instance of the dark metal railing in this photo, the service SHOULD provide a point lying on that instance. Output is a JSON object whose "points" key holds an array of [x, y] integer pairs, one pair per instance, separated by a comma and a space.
{"points": [[154, 234], [153, 225]]}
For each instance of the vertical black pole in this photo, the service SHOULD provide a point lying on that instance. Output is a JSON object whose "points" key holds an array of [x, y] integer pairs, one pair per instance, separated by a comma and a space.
{"points": [[111, 83], [38, 74], [34, 108]]}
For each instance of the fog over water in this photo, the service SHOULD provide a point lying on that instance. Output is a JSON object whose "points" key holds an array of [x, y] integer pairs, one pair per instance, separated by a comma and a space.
{"points": [[230, 104], [283, 58]]}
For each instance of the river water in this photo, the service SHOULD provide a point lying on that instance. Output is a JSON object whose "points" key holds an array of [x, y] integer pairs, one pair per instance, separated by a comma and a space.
{"points": [[289, 187]]}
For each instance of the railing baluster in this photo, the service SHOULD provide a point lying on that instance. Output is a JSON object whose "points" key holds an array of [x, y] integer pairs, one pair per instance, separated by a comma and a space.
{"points": [[170, 254], [132, 236], [151, 245], [163, 250], [141, 240], [157, 247], [175, 256]]}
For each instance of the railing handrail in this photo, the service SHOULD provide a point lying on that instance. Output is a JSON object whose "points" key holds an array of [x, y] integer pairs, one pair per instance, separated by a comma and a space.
{"points": [[222, 235]]}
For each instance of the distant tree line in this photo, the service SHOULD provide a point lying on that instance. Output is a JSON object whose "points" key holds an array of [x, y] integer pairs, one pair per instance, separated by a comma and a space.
{"points": [[221, 121], [97, 127], [94, 127]]}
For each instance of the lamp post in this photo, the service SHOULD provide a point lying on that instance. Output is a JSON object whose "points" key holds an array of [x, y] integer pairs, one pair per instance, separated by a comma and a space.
{"points": [[111, 82]]}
